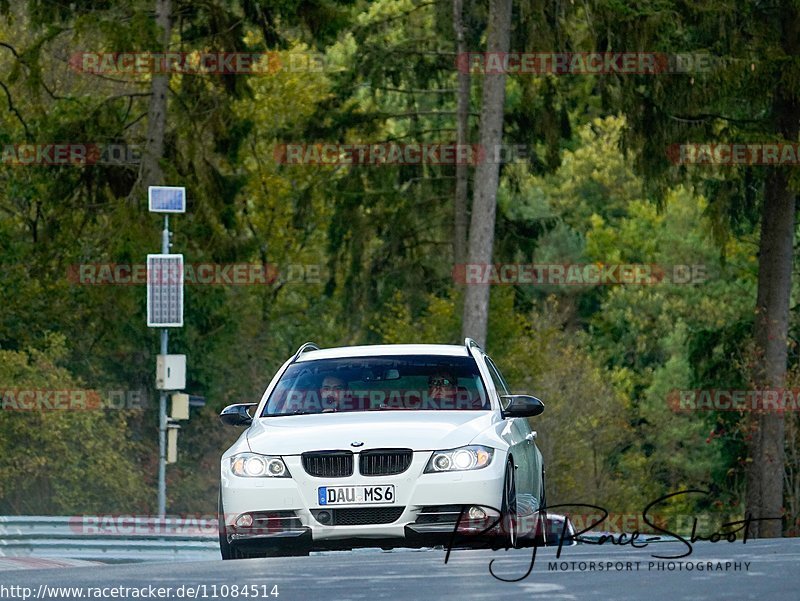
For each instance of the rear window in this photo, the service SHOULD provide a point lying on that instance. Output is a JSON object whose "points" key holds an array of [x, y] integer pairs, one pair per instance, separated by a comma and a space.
{"points": [[403, 383]]}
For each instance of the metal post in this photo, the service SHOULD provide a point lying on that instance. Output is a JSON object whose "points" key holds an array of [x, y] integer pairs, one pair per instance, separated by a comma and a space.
{"points": [[162, 404]]}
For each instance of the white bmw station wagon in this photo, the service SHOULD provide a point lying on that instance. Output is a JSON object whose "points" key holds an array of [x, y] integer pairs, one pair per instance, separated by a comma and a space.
{"points": [[381, 446]]}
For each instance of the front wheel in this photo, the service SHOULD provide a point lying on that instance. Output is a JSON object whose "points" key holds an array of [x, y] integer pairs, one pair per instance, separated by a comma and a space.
{"points": [[224, 546], [542, 531], [543, 502], [509, 516]]}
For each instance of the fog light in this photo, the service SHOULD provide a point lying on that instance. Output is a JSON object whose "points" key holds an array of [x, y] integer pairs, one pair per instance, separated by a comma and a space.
{"points": [[244, 521], [476, 513]]}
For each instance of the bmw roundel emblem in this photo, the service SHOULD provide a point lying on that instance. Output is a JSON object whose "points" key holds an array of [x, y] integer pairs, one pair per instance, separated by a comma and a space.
{"points": [[357, 443]]}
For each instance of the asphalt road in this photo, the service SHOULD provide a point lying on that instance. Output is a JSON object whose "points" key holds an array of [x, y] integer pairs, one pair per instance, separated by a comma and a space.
{"points": [[768, 570]]}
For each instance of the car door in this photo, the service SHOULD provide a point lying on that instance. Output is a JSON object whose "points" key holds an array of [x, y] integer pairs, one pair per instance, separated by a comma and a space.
{"points": [[522, 447]]}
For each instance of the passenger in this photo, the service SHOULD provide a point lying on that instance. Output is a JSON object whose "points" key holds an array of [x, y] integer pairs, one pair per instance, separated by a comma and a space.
{"points": [[442, 389], [445, 393]]}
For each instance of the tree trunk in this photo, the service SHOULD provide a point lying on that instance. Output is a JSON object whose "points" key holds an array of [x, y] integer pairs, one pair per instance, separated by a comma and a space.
{"points": [[484, 204], [765, 472], [150, 173], [460, 218]]}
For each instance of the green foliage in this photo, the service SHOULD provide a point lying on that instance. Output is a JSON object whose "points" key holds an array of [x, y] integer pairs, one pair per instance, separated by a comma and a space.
{"points": [[584, 429], [644, 334], [364, 252], [48, 456]]}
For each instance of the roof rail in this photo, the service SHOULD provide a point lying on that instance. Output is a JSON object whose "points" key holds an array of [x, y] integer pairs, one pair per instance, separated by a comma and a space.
{"points": [[308, 346], [469, 343]]}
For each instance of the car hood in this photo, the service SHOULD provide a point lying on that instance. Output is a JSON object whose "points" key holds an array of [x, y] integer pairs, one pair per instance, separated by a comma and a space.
{"points": [[416, 430]]}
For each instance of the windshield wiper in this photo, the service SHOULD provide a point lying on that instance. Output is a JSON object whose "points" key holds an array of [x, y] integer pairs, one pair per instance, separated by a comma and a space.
{"points": [[293, 413]]}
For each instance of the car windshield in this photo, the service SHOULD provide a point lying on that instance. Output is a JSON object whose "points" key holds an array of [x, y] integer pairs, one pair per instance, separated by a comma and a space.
{"points": [[408, 382]]}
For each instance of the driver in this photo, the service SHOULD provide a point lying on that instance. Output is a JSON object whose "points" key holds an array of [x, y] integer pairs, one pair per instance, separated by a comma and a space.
{"points": [[332, 393]]}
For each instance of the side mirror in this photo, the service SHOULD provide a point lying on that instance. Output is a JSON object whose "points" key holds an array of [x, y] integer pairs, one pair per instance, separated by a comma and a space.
{"points": [[522, 405], [237, 415]]}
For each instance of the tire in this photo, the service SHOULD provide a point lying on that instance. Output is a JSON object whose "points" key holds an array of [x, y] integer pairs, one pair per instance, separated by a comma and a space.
{"points": [[543, 502], [510, 519], [541, 540], [225, 548]]}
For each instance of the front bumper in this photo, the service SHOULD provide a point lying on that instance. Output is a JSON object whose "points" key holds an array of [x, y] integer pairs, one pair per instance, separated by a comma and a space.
{"points": [[287, 510]]}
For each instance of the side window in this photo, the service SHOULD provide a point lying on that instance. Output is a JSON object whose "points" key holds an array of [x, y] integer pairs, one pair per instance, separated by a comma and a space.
{"points": [[499, 382]]}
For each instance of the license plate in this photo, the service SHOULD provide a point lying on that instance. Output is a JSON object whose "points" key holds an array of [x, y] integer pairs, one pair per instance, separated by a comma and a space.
{"points": [[350, 495]]}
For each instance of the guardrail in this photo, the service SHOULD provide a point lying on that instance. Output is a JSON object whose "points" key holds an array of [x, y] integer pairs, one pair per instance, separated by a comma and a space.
{"points": [[119, 539], [123, 538]]}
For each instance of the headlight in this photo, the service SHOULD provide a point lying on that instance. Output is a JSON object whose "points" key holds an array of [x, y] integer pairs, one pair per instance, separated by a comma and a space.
{"points": [[250, 465], [473, 457]]}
